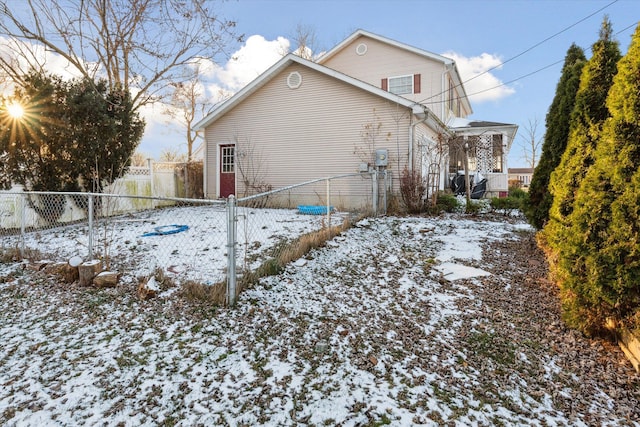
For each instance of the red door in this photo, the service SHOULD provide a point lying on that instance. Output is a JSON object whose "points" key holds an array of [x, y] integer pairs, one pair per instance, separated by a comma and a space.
{"points": [[227, 170]]}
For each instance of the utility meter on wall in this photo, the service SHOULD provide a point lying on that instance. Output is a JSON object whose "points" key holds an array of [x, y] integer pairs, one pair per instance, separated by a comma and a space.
{"points": [[382, 157]]}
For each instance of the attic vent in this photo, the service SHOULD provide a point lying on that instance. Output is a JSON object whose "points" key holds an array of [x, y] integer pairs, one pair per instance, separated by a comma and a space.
{"points": [[361, 49], [294, 80]]}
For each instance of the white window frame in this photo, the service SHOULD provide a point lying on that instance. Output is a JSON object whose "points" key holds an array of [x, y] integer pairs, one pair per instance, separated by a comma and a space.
{"points": [[410, 87]]}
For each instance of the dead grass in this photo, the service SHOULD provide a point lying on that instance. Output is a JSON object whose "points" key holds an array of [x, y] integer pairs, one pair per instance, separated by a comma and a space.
{"points": [[9, 255], [215, 294], [291, 252]]}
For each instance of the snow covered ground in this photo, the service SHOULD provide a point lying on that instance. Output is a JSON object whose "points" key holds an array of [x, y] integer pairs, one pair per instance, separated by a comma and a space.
{"points": [[399, 321], [198, 253]]}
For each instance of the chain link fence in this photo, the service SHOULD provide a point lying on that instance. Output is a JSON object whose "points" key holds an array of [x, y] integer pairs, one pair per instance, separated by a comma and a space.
{"points": [[133, 235], [230, 242]]}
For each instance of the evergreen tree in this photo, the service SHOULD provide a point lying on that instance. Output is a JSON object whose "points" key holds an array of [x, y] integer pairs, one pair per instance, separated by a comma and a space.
{"points": [[35, 145], [601, 260], [555, 138], [75, 136], [587, 118], [105, 131]]}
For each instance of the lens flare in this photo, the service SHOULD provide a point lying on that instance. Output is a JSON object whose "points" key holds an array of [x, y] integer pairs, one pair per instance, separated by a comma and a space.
{"points": [[15, 110]]}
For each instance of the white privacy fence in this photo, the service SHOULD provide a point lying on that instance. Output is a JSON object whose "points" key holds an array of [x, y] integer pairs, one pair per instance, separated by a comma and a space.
{"points": [[207, 241]]}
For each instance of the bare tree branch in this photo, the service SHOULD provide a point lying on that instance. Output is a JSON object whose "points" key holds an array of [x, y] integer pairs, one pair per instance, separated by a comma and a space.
{"points": [[138, 45], [305, 39], [531, 143], [189, 103]]}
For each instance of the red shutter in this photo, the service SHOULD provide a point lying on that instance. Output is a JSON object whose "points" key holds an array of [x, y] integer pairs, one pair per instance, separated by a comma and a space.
{"points": [[385, 85], [416, 83]]}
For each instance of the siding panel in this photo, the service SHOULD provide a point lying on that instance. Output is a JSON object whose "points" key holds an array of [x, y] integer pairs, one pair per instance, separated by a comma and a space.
{"points": [[382, 60], [293, 135]]}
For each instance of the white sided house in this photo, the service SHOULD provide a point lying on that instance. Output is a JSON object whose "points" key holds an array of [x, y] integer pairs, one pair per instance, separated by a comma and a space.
{"points": [[302, 120]]}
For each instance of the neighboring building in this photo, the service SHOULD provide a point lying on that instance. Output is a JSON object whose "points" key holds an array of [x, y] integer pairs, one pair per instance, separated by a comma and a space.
{"points": [[301, 120], [520, 176]]}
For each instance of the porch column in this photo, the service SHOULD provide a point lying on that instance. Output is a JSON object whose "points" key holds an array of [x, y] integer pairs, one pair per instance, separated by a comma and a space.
{"points": [[505, 166]]}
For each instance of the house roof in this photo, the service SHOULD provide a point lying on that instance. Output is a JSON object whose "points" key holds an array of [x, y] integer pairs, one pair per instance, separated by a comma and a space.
{"points": [[358, 33], [477, 127], [520, 171], [417, 109], [449, 64]]}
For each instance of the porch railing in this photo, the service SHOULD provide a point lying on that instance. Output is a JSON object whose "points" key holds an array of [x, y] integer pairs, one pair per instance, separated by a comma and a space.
{"points": [[497, 182]]}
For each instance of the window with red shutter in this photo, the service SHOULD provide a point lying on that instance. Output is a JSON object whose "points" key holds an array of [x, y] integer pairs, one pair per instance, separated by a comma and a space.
{"points": [[401, 85], [416, 83], [384, 84]]}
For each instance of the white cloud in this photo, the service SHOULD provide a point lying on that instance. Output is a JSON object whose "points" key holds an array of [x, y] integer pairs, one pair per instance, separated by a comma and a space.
{"points": [[486, 86], [250, 61], [220, 83], [24, 55]]}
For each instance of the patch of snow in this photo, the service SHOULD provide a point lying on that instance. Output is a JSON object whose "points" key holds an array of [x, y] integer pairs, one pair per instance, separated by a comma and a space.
{"points": [[452, 271], [152, 284]]}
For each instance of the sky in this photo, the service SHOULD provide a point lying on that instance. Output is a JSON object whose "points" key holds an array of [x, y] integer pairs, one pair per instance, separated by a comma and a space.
{"points": [[523, 43]]}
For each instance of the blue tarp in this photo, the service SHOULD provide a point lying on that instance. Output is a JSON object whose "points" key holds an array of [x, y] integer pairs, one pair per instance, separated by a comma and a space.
{"points": [[163, 230]]}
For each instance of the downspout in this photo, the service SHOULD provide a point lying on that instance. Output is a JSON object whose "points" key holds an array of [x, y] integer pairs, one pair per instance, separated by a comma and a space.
{"points": [[205, 169], [445, 92], [411, 132]]}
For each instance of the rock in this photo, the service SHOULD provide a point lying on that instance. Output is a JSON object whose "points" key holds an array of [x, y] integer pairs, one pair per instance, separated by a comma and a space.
{"points": [[63, 270], [38, 265], [106, 279], [321, 347]]}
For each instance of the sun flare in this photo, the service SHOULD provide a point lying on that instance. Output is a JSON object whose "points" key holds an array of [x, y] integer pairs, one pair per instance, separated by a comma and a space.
{"points": [[16, 111]]}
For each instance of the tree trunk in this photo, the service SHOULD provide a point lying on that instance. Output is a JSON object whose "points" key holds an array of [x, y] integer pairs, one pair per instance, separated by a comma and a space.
{"points": [[87, 271]]}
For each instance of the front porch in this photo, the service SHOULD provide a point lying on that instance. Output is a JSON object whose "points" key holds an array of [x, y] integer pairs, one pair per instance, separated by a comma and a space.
{"points": [[482, 148]]}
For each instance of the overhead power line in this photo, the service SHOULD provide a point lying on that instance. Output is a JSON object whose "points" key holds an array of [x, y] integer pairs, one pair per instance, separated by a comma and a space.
{"points": [[532, 72], [522, 53], [542, 42]]}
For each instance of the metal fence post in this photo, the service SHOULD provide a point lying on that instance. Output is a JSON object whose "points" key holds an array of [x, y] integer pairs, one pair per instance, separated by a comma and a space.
{"points": [[329, 204], [90, 226], [151, 179], [23, 219], [231, 250], [375, 192], [384, 194]]}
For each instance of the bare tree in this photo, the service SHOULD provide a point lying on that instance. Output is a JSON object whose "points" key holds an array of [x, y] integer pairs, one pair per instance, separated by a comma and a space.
{"points": [[370, 136], [171, 155], [139, 46], [252, 166], [184, 107], [189, 103], [305, 40], [139, 159], [531, 143]]}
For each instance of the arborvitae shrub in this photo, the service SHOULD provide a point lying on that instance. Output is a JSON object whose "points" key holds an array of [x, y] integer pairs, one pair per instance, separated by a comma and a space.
{"points": [[597, 262], [555, 139]]}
